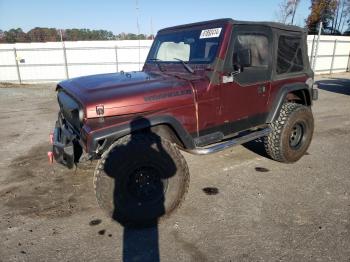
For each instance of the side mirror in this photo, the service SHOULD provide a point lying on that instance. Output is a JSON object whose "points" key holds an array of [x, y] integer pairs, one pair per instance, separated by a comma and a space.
{"points": [[242, 58]]}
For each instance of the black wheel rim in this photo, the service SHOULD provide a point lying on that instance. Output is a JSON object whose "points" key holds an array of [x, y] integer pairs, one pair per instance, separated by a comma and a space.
{"points": [[145, 184], [297, 135]]}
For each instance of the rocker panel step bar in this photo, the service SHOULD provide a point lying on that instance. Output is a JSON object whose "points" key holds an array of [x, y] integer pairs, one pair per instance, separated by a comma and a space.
{"points": [[230, 143]]}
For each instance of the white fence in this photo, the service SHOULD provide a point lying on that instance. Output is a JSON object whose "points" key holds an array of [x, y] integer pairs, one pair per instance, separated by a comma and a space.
{"points": [[54, 61], [331, 55]]}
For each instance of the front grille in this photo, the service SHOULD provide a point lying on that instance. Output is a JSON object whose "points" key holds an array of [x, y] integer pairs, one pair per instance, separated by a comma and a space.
{"points": [[69, 109]]}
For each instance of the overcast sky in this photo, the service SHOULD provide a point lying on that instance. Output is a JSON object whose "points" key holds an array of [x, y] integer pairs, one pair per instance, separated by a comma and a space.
{"points": [[120, 16]]}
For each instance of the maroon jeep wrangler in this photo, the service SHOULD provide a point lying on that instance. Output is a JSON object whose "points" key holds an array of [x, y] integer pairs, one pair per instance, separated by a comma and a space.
{"points": [[204, 87]]}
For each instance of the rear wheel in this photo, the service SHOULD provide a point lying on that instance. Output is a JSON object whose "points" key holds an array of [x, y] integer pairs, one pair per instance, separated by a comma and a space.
{"points": [[140, 179], [291, 133]]}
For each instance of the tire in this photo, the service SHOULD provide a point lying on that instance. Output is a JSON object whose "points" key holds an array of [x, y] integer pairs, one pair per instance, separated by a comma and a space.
{"points": [[140, 179], [86, 166], [291, 133]]}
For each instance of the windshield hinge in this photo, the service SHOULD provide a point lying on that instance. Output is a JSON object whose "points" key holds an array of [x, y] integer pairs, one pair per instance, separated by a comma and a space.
{"points": [[229, 78]]}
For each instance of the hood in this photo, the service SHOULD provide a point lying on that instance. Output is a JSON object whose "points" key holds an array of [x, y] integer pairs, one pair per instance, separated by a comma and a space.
{"points": [[127, 93]]}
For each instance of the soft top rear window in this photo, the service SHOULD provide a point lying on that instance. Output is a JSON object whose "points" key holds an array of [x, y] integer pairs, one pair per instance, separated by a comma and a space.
{"points": [[289, 56]]}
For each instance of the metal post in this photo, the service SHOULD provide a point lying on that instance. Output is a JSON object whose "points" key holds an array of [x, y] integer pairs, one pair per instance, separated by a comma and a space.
{"points": [[65, 59], [334, 49], [116, 58], [318, 42], [312, 52], [17, 66], [139, 54]]}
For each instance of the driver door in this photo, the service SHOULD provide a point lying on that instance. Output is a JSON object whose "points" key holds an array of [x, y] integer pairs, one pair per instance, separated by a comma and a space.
{"points": [[244, 97]]}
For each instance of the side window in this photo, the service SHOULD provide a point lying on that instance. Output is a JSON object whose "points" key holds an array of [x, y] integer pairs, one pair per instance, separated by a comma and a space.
{"points": [[259, 45], [289, 55]]}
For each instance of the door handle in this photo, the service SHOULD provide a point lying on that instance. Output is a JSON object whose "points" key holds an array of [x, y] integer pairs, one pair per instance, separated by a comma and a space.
{"points": [[261, 89]]}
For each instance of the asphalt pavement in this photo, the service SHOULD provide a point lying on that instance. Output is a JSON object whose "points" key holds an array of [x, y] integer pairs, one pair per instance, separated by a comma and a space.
{"points": [[241, 206]]}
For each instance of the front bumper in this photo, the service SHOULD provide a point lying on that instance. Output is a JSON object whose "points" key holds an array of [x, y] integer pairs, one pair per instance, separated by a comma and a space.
{"points": [[63, 145]]}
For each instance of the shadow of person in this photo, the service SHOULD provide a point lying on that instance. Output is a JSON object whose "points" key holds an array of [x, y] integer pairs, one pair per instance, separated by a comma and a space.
{"points": [[141, 244], [141, 168]]}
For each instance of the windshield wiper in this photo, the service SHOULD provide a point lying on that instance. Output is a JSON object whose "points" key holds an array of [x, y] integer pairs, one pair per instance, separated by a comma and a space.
{"points": [[188, 68], [157, 60]]}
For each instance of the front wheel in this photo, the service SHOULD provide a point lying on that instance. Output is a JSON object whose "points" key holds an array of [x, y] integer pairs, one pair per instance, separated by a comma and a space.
{"points": [[291, 133], [140, 179]]}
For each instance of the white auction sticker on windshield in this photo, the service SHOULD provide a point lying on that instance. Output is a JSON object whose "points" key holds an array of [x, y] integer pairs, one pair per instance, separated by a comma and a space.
{"points": [[210, 33]]}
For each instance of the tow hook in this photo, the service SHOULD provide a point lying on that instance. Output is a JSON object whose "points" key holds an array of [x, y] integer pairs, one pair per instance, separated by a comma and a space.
{"points": [[50, 156]]}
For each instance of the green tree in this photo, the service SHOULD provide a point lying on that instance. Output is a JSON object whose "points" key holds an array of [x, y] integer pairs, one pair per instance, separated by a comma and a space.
{"points": [[2, 36], [15, 35], [39, 34], [43, 34], [87, 34], [131, 36], [321, 11]]}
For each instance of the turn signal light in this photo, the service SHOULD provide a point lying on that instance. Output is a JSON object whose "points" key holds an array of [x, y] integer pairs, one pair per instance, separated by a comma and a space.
{"points": [[51, 138], [50, 156]]}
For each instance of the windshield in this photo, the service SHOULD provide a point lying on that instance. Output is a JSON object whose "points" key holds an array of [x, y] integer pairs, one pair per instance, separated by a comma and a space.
{"points": [[191, 46]]}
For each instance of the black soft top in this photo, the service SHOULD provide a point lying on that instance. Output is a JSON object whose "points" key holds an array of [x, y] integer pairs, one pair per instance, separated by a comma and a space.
{"points": [[222, 21]]}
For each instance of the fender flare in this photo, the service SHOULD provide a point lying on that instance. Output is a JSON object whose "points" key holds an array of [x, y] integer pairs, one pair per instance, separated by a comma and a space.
{"points": [[111, 134], [281, 95]]}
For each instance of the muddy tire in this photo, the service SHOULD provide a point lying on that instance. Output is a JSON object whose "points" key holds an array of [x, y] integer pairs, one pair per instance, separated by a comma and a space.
{"points": [[86, 166], [140, 179], [291, 133]]}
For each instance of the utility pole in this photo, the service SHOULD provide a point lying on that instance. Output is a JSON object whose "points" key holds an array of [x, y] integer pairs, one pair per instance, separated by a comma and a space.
{"points": [[317, 45], [64, 55], [61, 35], [152, 36], [294, 10], [138, 30]]}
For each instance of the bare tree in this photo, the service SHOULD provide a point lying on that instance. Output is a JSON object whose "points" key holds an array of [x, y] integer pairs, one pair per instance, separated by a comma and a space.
{"points": [[286, 11], [283, 12], [294, 4], [340, 15], [344, 15]]}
